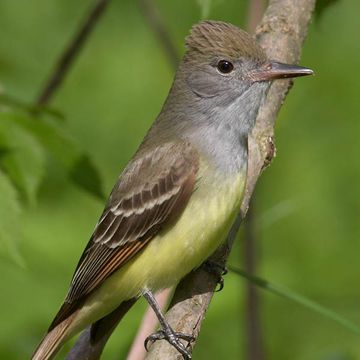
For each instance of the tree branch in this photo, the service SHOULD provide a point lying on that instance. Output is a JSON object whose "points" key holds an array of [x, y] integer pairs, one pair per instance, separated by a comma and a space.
{"points": [[281, 33], [156, 24], [67, 58]]}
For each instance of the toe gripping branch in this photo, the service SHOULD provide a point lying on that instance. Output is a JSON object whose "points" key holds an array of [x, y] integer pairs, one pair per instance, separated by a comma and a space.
{"points": [[173, 338], [217, 269], [166, 332]]}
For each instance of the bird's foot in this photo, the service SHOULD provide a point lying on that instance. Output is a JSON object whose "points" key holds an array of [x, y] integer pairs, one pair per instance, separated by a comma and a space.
{"points": [[218, 270], [172, 338]]}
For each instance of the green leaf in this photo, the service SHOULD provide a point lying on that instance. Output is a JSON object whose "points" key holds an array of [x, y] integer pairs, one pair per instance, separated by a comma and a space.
{"points": [[53, 138], [300, 299], [10, 215], [24, 159], [8, 102], [50, 135], [86, 176]]}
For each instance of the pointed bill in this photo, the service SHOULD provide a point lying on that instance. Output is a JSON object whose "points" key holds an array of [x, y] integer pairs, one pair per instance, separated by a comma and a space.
{"points": [[276, 70]]}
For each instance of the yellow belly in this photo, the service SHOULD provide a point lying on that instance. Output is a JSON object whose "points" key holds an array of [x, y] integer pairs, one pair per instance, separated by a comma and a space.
{"points": [[175, 251]]}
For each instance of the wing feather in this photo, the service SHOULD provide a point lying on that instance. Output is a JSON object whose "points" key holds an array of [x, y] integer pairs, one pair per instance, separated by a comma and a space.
{"points": [[153, 189]]}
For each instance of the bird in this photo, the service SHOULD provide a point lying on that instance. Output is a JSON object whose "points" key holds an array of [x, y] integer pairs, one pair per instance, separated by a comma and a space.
{"points": [[175, 201]]}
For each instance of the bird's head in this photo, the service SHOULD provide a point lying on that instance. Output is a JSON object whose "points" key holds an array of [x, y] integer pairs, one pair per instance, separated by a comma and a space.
{"points": [[224, 61]]}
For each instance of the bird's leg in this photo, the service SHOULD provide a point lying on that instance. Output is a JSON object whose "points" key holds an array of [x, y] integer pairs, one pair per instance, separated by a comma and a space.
{"points": [[219, 270], [166, 332]]}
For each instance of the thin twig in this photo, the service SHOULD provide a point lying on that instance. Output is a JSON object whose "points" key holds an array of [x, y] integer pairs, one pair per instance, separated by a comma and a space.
{"points": [[281, 33], [67, 58], [156, 24]]}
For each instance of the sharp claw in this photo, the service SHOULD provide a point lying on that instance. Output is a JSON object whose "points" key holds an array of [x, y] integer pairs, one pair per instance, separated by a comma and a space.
{"points": [[173, 339], [221, 284], [153, 337], [219, 270], [146, 342]]}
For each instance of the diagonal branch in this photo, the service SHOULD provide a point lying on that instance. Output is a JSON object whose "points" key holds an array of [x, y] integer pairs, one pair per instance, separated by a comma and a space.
{"points": [[157, 26], [67, 58], [281, 33]]}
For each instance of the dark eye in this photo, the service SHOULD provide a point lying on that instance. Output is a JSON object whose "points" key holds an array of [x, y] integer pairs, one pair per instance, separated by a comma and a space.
{"points": [[225, 66]]}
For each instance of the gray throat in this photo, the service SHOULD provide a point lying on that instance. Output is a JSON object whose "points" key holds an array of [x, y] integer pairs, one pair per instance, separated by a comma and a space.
{"points": [[218, 129]]}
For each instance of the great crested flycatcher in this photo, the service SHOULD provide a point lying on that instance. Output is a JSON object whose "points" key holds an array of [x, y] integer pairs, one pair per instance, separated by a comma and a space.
{"points": [[176, 200]]}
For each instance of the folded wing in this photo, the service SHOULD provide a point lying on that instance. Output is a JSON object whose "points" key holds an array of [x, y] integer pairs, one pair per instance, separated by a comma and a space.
{"points": [[152, 191]]}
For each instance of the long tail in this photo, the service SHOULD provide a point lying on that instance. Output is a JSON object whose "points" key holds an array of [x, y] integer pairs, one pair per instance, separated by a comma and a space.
{"points": [[92, 340], [53, 340]]}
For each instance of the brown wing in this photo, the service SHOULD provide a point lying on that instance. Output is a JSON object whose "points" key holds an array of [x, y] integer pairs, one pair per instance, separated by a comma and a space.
{"points": [[153, 189]]}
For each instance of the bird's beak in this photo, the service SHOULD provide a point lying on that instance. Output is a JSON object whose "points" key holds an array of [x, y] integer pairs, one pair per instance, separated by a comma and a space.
{"points": [[275, 70]]}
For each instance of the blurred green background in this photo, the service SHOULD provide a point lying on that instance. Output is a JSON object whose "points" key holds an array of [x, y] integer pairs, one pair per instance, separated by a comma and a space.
{"points": [[307, 202]]}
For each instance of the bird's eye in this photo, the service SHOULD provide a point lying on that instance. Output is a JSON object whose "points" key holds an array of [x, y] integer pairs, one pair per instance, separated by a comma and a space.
{"points": [[225, 67]]}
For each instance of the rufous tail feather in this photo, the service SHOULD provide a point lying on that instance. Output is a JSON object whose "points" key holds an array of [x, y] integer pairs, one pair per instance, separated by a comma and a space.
{"points": [[89, 342], [53, 340]]}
